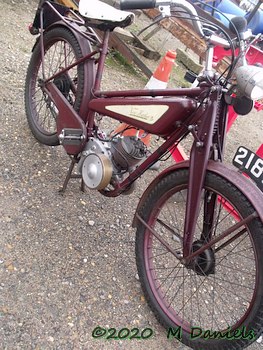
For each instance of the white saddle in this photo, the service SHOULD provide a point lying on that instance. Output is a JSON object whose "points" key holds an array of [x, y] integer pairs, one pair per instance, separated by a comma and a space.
{"points": [[99, 11]]}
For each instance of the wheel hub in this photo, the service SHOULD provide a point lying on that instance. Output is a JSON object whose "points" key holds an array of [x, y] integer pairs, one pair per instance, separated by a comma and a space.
{"points": [[203, 264], [63, 84]]}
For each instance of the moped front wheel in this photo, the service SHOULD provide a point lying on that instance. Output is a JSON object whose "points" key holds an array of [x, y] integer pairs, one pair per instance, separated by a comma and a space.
{"points": [[61, 49], [216, 301]]}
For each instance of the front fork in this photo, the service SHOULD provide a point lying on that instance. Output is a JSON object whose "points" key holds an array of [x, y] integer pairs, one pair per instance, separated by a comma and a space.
{"points": [[200, 154]]}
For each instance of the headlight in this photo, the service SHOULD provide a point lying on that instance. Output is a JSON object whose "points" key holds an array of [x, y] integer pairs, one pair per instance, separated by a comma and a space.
{"points": [[250, 81]]}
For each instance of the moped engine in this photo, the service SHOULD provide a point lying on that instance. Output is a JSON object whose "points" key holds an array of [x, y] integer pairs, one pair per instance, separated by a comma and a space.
{"points": [[105, 162], [95, 164], [127, 151]]}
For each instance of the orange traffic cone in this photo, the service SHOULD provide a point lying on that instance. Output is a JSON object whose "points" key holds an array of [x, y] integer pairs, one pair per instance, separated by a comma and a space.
{"points": [[160, 77], [159, 80]]}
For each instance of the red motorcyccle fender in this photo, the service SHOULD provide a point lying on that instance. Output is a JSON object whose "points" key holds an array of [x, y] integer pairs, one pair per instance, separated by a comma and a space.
{"points": [[89, 66], [227, 172]]}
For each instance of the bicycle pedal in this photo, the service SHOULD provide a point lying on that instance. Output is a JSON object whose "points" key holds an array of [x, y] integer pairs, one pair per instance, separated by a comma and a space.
{"points": [[71, 136]]}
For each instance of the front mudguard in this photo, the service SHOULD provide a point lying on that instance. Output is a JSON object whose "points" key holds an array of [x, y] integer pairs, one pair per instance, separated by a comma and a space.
{"points": [[229, 173]]}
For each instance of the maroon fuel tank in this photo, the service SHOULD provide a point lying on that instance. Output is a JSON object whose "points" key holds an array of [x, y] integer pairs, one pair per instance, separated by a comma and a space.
{"points": [[157, 116]]}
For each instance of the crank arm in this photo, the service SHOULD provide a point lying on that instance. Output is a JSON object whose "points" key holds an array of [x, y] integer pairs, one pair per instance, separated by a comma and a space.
{"points": [[67, 119]]}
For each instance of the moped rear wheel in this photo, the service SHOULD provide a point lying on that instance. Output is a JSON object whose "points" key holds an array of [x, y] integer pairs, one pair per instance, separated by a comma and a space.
{"points": [[216, 302], [61, 49]]}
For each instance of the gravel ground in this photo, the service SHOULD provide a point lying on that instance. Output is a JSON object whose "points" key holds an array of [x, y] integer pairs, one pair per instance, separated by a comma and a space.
{"points": [[67, 262]]}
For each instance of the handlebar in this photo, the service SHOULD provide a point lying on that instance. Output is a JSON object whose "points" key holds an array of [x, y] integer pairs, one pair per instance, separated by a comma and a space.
{"points": [[183, 4], [137, 4], [239, 24]]}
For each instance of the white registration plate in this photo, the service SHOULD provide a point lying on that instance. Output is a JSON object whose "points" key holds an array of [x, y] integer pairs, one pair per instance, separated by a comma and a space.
{"points": [[251, 164]]}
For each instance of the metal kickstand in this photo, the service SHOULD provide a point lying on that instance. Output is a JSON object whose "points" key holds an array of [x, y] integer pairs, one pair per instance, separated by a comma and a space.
{"points": [[69, 176]]}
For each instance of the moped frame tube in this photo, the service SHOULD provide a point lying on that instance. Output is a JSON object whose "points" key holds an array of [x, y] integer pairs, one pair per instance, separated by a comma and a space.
{"points": [[121, 187], [42, 42], [102, 58], [164, 148], [200, 154]]}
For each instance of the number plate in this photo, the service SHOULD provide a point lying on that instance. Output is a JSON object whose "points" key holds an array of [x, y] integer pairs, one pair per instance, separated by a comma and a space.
{"points": [[251, 164]]}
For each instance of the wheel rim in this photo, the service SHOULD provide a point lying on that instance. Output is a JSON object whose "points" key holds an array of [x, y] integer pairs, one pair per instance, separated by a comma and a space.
{"points": [[58, 55], [213, 301]]}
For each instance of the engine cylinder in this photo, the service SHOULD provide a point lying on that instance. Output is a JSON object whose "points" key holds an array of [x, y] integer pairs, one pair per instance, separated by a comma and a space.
{"points": [[127, 151]]}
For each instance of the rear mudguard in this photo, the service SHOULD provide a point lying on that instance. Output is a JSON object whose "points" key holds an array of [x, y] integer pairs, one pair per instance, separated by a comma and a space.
{"points": [[89, 65], [230, 174]]}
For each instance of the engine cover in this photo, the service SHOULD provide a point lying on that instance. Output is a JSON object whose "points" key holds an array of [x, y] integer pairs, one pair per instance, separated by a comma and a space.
{"points": [[95, 165], [96, 171]]}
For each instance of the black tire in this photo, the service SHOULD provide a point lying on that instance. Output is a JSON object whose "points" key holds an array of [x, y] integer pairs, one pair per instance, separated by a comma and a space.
{"points": [[230, 294], [40, 111]]}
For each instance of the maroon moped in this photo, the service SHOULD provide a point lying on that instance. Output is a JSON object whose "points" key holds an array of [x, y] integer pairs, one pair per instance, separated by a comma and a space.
{"points": [[199, 239]]}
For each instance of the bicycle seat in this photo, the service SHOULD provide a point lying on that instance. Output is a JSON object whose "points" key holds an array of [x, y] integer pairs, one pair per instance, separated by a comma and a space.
{"points": [[104, 16]]}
